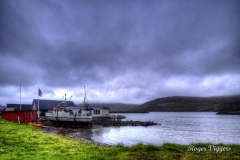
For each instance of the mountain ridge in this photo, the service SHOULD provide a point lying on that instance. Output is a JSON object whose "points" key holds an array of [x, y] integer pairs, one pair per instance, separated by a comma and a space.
{"points": [[220, 104]]}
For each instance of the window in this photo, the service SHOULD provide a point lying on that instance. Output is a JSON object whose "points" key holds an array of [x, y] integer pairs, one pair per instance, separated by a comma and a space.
{"points": [[96, 111]]}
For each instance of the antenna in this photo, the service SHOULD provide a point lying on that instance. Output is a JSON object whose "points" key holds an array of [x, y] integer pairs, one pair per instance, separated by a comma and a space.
{"points": [[70, 98], [65, 94]]}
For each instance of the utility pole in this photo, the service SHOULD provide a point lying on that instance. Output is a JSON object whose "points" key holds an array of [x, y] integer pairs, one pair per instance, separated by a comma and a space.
{"points": [[20, 99]]}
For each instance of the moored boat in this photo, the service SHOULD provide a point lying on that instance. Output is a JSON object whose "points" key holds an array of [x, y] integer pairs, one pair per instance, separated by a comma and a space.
{"points": [[69, 114], [64, 114]]}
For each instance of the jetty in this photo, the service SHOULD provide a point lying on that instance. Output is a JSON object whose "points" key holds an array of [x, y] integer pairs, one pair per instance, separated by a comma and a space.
{"points": [[117, 121], [124, 123]]}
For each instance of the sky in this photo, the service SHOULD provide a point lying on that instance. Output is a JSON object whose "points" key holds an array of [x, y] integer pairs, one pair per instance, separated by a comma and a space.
{"points": [[122, 51]]}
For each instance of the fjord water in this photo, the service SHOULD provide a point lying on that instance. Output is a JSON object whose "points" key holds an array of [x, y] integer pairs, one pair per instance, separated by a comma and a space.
{"points": [[176, 127]]}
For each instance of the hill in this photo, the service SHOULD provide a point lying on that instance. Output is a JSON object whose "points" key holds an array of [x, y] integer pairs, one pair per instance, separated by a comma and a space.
{"points": [[114, 107], [221, 104]]}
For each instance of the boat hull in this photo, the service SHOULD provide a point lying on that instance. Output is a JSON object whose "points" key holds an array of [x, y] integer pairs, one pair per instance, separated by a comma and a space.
{"points": [[69, 116], [65, 119]]}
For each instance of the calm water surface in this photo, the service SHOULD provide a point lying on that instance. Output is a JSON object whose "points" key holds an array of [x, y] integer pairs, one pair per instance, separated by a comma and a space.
{"points": [[176, 127]]}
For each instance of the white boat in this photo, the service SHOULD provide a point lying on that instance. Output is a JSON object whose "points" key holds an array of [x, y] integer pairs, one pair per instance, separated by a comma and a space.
{"points": [[64, 114]]}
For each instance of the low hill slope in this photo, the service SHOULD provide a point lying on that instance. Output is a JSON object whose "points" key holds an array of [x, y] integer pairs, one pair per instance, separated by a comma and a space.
{"points": [[222, 104]]}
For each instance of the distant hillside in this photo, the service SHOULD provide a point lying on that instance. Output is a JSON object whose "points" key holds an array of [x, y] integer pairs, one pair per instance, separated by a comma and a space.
{"points": [[221, 104], [114, 107]]}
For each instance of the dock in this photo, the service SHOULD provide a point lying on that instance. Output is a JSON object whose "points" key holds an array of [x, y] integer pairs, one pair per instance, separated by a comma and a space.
{"points": [[117, 120], [124, 123]]}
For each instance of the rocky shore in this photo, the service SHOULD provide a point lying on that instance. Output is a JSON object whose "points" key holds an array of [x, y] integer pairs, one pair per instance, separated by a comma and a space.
{"points": [[81, 134]]}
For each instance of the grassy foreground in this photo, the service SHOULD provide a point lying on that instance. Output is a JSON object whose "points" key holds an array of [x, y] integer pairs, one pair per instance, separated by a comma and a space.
{"points": [[20, 141]]}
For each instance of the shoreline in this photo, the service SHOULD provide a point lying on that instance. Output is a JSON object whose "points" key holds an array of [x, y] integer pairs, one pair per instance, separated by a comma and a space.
{"points": [[75, 133]]}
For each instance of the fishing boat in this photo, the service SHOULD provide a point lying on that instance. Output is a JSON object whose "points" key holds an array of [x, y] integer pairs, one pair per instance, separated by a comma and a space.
{"points": [[64, 114]]}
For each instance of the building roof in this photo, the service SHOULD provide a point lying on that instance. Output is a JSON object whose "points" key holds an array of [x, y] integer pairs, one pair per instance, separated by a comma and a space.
{"points": [[49, 104], [17, 106]]}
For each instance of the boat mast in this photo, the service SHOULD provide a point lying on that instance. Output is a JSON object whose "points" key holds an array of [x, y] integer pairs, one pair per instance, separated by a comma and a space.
{"points": [[85, 103]]}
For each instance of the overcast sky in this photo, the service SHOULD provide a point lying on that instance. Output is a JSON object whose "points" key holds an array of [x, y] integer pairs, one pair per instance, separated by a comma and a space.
{"points": [[128, 51]]}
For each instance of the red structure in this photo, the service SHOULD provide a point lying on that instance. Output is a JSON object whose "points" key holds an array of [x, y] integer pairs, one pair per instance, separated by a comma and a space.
{"points": [[26, 116]]}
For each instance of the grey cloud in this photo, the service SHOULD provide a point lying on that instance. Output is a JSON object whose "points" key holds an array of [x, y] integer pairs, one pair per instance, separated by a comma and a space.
{"points": [[71, 43]]}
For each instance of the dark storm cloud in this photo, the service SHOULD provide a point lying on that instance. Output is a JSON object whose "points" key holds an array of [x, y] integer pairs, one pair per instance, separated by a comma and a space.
{"points": [[144, 48]]}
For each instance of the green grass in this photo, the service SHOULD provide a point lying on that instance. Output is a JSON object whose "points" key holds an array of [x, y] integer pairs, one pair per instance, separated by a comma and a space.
{"points": [[20, 141]]}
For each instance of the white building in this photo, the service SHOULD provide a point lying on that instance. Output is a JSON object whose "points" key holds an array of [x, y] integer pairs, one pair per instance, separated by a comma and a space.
{"points": [[100, 112]]}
